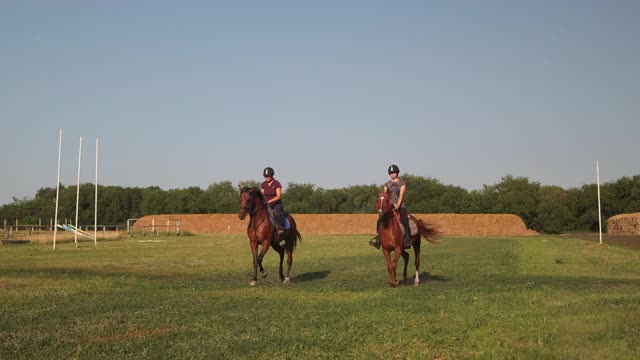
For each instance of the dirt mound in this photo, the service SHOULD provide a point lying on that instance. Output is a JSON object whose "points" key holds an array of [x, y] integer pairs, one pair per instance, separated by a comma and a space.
{"points": [[624, 224], [478, 224], [346, 224]]}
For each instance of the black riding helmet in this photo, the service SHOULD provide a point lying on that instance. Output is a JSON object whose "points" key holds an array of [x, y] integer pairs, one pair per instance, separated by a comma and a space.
{"points": [[268, 172], [394, 169]]}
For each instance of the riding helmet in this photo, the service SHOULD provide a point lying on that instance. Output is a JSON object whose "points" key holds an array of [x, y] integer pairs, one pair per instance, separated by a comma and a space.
{"points": [[268, 172], [394, 169]]}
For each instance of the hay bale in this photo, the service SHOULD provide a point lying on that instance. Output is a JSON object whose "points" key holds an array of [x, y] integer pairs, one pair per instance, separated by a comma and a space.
{"points": [[347, 224], [624, 224]]}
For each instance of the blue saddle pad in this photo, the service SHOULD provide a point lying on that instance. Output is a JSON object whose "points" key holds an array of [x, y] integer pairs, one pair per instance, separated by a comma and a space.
{"points": [[287, 224]]}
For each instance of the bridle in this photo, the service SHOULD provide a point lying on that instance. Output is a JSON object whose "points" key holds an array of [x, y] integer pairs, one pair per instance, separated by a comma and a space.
{"points": [[251, 208], [381, 199]]}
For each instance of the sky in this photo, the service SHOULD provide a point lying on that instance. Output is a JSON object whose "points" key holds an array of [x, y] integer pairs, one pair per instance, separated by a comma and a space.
{"points": [[190, 93]]}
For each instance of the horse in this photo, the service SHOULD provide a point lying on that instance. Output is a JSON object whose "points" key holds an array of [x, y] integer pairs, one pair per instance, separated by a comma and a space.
{"points": [[391, 239], [262, 232]]}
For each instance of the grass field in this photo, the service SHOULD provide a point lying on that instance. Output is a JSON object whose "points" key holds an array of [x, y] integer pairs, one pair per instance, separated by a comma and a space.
{"points": [[188, 297]]}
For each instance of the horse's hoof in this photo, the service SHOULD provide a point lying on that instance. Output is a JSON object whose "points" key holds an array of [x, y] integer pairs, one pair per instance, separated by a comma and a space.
{"points": [[263, 274], [417, 283], [253, 283], [286, 280]]}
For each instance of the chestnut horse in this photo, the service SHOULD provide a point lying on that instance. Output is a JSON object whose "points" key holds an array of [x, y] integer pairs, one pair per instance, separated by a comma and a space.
{"points": [[391, 239], [262, 232]]}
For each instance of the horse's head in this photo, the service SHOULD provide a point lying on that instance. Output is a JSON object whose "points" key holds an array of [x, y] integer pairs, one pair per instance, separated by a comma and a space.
{"points": [[247, 204], [383, 204]]}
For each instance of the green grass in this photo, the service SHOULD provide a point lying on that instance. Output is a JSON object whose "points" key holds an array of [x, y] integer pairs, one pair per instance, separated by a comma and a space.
{"points": [[188, 297]]}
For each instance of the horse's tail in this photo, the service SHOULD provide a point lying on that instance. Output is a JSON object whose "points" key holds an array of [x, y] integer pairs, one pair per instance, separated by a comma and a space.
{"points": [[428, 231], [292, 242]]}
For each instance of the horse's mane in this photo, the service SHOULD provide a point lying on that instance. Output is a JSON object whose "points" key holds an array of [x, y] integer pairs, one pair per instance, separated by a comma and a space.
{"points": [[255, 191]]}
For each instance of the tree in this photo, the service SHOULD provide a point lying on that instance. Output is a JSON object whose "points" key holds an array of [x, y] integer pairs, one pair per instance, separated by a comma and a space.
{"points": [[221, 198], [554, 214], [297, 198], [550, 209], [360, 199], [153, 201], [472, 203], [250, 183], [584, 204], [621, 196], [517, 195], [429, 195], [330, 201]]}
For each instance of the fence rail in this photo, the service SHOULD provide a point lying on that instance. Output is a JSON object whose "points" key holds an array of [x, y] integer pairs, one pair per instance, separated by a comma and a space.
{"points": [[11, 231], [154, 228]]}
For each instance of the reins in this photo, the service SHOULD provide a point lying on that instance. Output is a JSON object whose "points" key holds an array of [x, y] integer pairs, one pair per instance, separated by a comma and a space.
{"points": [[389, 214], [252, 213]]}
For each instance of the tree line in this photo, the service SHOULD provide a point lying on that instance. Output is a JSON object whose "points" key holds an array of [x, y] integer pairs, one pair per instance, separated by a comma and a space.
{"points": [[545, 208]]}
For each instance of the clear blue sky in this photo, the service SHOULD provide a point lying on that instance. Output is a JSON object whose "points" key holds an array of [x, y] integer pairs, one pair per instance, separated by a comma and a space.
{"points": [[187, 93]]}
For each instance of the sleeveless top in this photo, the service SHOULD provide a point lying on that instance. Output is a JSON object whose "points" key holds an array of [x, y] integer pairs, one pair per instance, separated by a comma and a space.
{"points": [[394, 191]]}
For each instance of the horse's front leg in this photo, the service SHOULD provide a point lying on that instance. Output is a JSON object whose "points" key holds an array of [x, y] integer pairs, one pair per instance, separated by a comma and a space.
{"points": [[265, 248], [405, 257], [254, 251], [394, 263], [390, 267]]}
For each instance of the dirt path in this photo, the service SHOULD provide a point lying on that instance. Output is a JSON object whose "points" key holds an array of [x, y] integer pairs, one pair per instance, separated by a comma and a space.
{"points": [[631, 241]]}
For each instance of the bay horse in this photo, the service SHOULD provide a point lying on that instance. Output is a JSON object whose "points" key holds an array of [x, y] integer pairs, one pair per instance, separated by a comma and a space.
{"points": [[391, 239], [262, 232]]}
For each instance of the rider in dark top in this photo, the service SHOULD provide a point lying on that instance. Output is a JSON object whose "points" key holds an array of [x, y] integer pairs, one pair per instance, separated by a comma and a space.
{"points": [[396, 188], [272, 191]]}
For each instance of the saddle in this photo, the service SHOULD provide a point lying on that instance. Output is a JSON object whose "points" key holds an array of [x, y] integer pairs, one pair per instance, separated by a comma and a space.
{"points": [[272, 218], [413, 226]]}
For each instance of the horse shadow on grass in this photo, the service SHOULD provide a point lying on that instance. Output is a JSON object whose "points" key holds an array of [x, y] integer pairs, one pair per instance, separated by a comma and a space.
{"points": [[310, 276], [428, 277]]}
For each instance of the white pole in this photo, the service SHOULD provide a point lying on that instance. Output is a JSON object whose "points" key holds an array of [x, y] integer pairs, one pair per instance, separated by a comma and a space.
{"points": [[55, 225], [95, 217], [78, 192], [599, 207]]}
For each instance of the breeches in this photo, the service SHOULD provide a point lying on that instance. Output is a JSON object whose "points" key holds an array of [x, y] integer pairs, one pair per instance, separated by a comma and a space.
{"points": [[278, 210]]}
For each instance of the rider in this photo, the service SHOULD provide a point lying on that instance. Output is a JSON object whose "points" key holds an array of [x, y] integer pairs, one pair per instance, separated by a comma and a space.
{"points": [[396, 188], [272, 191]]}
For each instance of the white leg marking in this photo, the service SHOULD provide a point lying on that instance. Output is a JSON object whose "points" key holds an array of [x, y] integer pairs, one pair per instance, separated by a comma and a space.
{"points": [[286, 280], [253, 283]]}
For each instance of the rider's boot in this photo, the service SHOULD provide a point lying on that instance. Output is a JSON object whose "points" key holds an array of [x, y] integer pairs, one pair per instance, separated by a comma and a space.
{"points": [[375, 242], [280, 222], [407, 236]]}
